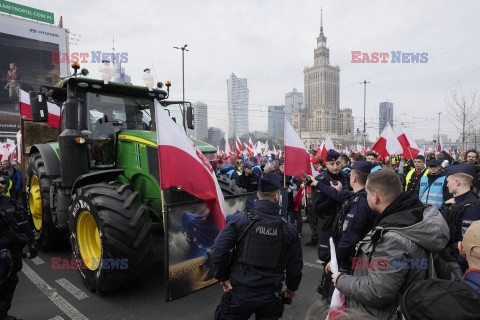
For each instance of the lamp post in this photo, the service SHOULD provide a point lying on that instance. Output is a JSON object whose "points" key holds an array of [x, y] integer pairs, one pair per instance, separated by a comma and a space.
{"points": [[438, 132], [184, 48], [364, 110]]}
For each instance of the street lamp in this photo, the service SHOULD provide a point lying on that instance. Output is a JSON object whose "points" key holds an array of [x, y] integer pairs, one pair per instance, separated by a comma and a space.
{"points": [[364, 110], [184, 48]]}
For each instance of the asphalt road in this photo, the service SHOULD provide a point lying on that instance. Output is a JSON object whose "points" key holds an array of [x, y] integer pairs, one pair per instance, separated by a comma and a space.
{"points": [[45, 293]]}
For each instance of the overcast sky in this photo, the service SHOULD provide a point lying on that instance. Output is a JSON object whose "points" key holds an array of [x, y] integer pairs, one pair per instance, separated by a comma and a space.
{"points": [[270, 42]]}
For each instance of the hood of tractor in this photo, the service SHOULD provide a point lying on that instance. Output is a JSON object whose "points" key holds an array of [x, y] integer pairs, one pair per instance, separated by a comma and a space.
{"points": [[150, 138]]}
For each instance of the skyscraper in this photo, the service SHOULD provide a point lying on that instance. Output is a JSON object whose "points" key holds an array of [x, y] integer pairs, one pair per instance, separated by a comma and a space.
{"points": [[276, 118], [200, 131], [237, 94], [385, 115], [322, 115], [293, 101], [119, 74]]}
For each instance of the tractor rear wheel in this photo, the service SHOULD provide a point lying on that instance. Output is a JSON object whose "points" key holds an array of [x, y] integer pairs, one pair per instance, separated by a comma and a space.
{"points": [[47, 235], [110, 235]]}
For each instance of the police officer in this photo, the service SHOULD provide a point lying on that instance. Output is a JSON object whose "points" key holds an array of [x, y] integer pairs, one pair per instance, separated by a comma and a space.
{"points": [[248, 181], [15, 233], [433, 187], [466, 206], [267, 251], [257, 169], [326, 208]]}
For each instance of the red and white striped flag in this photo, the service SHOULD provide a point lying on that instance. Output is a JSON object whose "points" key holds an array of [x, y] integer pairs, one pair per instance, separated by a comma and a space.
{"points": [[238, 146], [297, 159], [250, 149], [387, 144], [26, 111], [182, 165], [410, 148], [439, 144], [228, 146]]}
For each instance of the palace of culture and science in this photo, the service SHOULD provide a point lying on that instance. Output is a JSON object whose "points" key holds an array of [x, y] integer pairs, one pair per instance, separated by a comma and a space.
{"points": [[322, 115]]}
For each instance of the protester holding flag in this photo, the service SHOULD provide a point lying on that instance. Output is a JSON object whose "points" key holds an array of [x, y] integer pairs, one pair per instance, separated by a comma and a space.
{"points": [[267, 250]]}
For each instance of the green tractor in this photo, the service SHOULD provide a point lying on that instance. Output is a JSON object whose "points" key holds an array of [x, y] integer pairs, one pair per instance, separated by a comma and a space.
{"points": [[98, 186]]}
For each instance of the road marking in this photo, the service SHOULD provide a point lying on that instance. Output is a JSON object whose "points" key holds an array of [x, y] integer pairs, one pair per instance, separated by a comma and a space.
{"points": [[56, 318], [53, 295], [37, 261], [74, 291], [313, 265]]}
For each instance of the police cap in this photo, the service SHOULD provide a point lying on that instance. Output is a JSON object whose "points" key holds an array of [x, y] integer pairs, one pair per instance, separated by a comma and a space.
{"points": [[434, 163], [466, 168], [269, 182], [332, 155], [362, 165]]}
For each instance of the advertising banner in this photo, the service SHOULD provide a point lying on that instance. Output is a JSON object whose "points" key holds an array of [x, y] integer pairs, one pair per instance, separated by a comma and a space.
{"points": [[26, 63], [26, 12]]}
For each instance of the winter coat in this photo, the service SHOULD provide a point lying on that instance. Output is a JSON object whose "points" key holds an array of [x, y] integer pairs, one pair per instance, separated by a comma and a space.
{"points": [[393, 256]]}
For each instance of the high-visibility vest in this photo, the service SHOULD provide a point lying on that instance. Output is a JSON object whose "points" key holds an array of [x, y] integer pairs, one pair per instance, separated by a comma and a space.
{"points": [[409, 176], [376, 168], [432, 194]]}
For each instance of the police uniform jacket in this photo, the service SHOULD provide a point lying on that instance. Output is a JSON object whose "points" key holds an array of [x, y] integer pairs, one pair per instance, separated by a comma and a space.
{"points": [[326, 204], [250, 276]]}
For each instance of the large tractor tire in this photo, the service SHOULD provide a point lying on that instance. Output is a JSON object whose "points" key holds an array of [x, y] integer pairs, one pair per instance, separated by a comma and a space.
{"points": [[47, 235], [229, 187], [110, 235]]}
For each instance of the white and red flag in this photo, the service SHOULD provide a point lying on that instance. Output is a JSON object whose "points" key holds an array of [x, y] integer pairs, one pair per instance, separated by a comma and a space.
{"points": [[387, 144], [327, 145], [228, 146], [250, 149], [297, 159], [182, 165], [238, 146], [26, 111], [410, 148], [439, 144]]}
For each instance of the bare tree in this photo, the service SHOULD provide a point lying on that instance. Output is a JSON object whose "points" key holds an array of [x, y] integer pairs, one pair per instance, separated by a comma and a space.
{"points": [[463, 112]]}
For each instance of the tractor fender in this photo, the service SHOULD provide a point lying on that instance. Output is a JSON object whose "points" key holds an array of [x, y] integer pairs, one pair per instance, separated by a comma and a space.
{"points": [[96, 177], [50, 158]]}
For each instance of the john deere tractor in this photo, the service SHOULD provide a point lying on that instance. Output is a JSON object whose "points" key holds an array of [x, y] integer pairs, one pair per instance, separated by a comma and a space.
{"points": [[98, 186]]}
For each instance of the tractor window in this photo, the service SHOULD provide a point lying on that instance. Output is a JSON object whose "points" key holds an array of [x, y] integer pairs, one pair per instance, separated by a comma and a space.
{"points": [[109, 114]]}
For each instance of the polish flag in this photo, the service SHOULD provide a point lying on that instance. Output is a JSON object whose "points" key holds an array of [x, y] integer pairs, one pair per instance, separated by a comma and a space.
{"points": [[297, 159], [228, 146], [320, 149], [387, 144], [182, 165], [250, 149], [439, 145], [410, 148], [238, 146], [26, 111], [328, 145]]}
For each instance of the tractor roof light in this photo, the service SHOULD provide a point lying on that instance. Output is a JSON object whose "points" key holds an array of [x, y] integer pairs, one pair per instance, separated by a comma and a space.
{"points": [[148, 79], [80, 140], [168, 83], [75, 66]]}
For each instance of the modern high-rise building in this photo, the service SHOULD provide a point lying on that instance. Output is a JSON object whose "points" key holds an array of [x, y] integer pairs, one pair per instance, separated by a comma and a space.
{"points": [[200, 131], [322, 115], [276, 118], [293, 101], [237, 94], [119, 74], [385, 115], [215, 135]]}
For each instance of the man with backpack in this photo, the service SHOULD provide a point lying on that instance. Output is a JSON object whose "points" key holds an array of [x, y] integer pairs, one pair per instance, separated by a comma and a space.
{"points": [[395, 253], [230, 170]]}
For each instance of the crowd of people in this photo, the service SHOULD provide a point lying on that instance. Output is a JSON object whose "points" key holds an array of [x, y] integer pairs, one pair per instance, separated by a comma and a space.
{"points": [[406, 235]]}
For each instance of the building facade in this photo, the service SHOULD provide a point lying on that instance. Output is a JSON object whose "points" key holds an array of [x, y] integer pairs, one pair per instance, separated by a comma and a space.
{"points": [[200, 112], [322, 115], [215, 136], [293, 101], [237, 94], [276, 118], [385, 115], [119, 74]]}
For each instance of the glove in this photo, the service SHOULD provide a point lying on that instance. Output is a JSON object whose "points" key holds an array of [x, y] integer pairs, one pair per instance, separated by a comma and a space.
{"points": [[33, 251]]}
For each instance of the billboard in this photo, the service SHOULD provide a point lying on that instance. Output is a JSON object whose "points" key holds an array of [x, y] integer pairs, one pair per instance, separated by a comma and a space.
{"points": [[26, 63]]}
